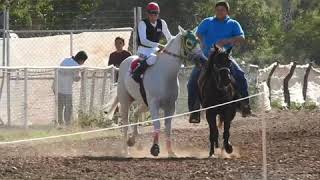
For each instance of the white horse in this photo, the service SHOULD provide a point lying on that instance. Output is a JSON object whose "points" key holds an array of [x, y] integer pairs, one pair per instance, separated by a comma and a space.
{"points": [[161, 87]]}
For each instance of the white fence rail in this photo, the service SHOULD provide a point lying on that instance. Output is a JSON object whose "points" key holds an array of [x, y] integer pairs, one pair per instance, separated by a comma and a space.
{"points": [[27, 94]]}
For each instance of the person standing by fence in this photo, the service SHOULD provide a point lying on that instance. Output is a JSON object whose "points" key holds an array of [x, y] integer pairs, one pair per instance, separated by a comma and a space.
{"points": [[119, 55], [66, 77]]}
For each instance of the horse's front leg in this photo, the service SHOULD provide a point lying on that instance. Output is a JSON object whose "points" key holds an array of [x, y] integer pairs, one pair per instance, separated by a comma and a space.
{"points": [[226, 133], [214, 133], [169, 111], [154, 111]]}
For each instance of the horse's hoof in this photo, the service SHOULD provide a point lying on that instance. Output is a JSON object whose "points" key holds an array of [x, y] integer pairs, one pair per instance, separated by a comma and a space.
{"points": [[172, 154], [131, 141], [155, 150], [211, 153], [229, 148]]}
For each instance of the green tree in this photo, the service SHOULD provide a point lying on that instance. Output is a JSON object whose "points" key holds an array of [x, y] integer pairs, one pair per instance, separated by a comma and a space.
{"points": [[302, 43], [257, 20]]}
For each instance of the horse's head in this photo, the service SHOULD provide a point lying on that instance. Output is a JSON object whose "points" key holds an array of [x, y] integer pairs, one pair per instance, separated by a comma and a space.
{"points": [[219, 64], [188, 41]]}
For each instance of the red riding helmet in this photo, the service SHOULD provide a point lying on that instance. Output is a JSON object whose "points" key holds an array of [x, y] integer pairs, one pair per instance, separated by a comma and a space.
{"points": [[153, 7]]}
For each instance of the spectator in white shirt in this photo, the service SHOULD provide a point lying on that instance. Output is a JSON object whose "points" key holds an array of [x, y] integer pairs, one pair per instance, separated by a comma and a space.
{"points": [[66, 77]]}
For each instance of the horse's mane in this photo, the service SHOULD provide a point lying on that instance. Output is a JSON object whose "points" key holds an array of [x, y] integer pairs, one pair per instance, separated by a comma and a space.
{"points": [[171, 40]]}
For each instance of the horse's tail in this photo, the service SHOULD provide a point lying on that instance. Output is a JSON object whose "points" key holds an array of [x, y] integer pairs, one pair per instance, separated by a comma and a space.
{"points": [[112, 104]]}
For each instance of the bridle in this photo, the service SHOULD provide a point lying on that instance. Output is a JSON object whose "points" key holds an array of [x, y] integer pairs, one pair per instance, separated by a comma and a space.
{"points": [[188, 43]]}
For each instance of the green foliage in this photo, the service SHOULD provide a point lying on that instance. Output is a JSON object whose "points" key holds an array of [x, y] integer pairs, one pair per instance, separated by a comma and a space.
{"points": [[92, 120], [310, 106], [303, 41], [261, 20], [277, 104], [265, 39]]}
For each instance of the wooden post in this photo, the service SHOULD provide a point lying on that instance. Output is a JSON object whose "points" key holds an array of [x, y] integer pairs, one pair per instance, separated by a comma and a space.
{"points": [[305, 82], [286, 80], [269, 79]]}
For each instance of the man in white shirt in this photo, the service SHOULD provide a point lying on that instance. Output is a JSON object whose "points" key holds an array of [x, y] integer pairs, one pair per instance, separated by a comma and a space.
{"points": [[150, 31], [66, 77]]}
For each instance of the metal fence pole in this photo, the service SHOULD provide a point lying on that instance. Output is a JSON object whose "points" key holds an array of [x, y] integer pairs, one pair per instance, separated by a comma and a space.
{"points": [[4, 37], [71, 43], [25, 98], [139, 18], [8, 36], [134, 35]]}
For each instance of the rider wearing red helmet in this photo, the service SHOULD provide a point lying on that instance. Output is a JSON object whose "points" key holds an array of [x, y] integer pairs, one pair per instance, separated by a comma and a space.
{"points": [[150, 31]]}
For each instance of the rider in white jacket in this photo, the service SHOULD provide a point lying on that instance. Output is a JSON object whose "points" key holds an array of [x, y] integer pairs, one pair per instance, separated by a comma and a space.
{"points": [[150, 31]]}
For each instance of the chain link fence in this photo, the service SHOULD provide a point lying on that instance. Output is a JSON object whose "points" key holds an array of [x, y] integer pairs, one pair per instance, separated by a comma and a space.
{"points": [[28, 95]]}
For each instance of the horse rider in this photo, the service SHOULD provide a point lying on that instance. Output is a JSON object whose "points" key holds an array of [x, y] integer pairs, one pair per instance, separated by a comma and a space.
{"points": [[150, 31], [223, 32]]}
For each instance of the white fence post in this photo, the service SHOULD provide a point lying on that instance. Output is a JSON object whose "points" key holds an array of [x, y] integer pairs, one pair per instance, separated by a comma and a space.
{"points": [[8, 98], [83, 91], [104, 82], [25, 98], [92, 92], [56, 95]]}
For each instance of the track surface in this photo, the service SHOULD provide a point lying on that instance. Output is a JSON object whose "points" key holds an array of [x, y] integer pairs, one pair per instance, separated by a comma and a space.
{"points": [[293, 152]]}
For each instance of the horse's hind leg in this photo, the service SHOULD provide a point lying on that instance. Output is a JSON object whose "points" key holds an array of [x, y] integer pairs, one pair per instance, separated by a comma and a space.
{"points": [[125, 102], [137, 116], [214, 133]]}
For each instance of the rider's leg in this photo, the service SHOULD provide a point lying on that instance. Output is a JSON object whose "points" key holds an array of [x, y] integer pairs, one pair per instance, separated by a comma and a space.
{"points": [[144, 63], [242, 86], [193, 95], [140, 69]]}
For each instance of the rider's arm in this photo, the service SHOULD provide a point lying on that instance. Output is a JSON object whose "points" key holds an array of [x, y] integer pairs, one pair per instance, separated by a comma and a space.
{"points": [[235, 40], [142, 30], [237, 35], [201, 41], [202, 30], [165, 30]]}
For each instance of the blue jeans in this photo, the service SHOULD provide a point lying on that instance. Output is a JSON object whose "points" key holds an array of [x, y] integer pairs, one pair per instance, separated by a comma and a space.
{"points": [[193, 90]]}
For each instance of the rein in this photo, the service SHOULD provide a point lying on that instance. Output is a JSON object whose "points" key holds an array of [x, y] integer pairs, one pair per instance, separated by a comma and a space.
{"points": [[183, 50]]}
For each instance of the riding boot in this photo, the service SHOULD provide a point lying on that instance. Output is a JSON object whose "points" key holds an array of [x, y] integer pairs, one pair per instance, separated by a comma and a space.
{"points": [[137, 73]]}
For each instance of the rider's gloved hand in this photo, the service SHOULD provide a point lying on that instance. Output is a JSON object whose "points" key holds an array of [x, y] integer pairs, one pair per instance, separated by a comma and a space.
{"points": [[161, 47], [198, 58]]}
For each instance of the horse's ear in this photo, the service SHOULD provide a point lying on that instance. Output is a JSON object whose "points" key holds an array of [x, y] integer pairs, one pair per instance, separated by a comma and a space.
{"points": [[181, 30], [229, 51]]}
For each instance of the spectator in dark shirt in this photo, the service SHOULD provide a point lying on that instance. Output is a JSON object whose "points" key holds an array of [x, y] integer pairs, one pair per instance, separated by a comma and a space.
{"points": [[120, 54]]}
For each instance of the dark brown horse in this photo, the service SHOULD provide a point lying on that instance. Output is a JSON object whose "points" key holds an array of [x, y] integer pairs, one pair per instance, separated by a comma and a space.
{"points": [[217, 86]]}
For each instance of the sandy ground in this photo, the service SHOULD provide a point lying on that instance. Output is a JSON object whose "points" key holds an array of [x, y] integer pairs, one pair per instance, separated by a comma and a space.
{"points": [[293, 143]]}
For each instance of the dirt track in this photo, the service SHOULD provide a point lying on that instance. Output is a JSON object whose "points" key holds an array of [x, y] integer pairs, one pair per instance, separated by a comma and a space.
{"points": [[293, 144]]}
